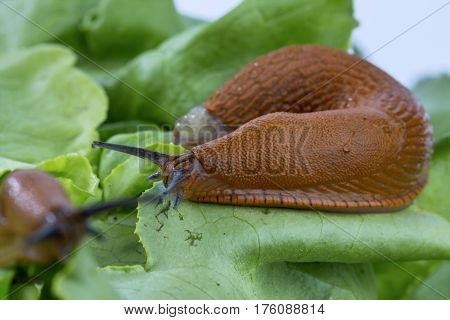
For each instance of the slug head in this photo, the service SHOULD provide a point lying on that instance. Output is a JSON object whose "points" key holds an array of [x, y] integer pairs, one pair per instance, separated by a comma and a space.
{"points": [[197, 127], [175, 170], [38, 217], [38, 222]]}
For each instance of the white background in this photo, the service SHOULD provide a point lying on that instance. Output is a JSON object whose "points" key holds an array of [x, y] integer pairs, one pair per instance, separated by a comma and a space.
{"points": [[423, 50]]}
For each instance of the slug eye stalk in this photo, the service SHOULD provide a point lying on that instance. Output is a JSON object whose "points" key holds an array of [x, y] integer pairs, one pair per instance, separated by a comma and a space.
{"points": [[174, 169], [157, 158]]}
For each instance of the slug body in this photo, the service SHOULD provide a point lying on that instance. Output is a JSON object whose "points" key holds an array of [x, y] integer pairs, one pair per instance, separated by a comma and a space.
{"points": [[38, 223], [30, 200], [305, 127]]}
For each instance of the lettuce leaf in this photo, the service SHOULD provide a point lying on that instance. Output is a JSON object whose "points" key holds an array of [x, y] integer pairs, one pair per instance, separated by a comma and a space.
{"points": [[25, 23], [282, 280], [6, 276], [75, 174], [80, 279], [159, 86], [434, 197], [114, 29], [435, 286], [398, 280], [48, 107], [104, 33], [434, 93], [119, 245]]}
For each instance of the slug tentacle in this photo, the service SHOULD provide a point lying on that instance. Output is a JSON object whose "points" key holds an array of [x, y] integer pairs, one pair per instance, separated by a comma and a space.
{"points": [[47, 230], [175, 170], [154, 176], [178, 198], [154, 156], [178, 176]]}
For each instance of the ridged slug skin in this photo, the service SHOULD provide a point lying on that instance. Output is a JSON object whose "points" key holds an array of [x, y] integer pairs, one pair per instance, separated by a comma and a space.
{"points": [[315, 128]]}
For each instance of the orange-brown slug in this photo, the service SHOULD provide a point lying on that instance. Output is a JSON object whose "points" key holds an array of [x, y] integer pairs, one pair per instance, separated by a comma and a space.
{"points": [[38, 223], [302, 127]]}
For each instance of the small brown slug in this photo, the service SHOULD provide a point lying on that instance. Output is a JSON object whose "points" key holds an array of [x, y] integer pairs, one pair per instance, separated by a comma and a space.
{"points": [[304, 127], [38, 223]]}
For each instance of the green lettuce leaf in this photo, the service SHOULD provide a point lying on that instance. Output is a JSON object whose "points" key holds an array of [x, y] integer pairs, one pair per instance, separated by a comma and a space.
{"points": [[105, 33], [434, 93], [72, 170], [108, 130], [6, 276], [81, 280], [8, 165], [31, 291], [434, 197], [159, 86], [435, 286], [189, 22], [48, 107], [25, 23], [75, 174], [398, 280], [114, 29], [114, 33], [282, 280], [119, 246]]}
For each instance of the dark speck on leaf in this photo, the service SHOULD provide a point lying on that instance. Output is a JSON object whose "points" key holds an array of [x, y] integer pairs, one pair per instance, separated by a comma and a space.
{"points": [[193, 236], [93, 17]]}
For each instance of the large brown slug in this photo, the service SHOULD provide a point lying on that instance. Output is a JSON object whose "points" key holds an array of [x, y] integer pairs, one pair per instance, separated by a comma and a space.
{"points": [[38, 223], [302, 127]]}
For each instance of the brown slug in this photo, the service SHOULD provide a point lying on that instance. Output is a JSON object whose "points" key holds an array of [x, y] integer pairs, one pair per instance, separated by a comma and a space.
{"points": [[38, 223], [303, 127]]}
